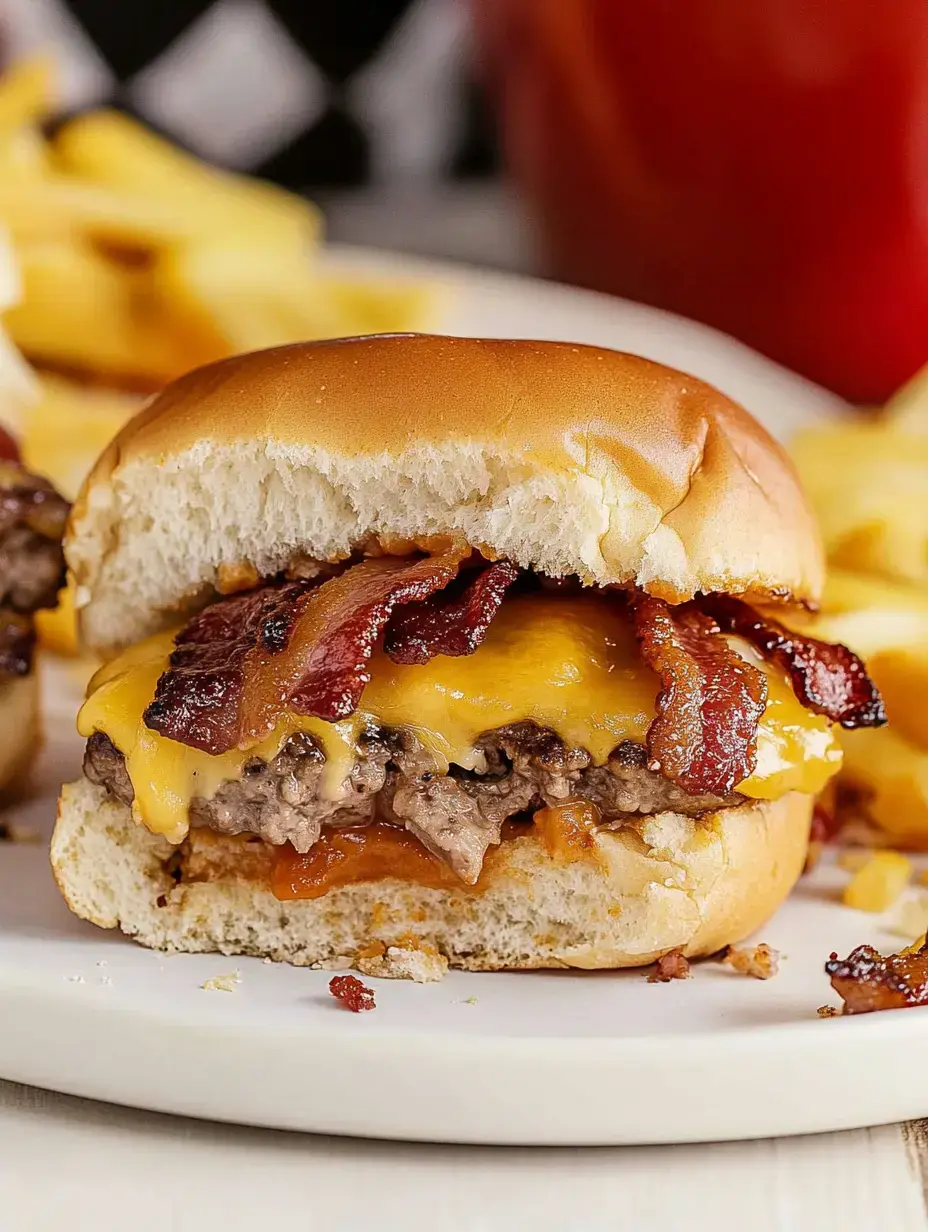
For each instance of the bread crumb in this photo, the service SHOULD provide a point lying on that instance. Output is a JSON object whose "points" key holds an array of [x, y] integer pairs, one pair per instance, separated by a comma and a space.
{"points": [[828, 1011], [75, 979], [101, 962], [422, 964], [761, 962], [223, 983], [105, 979], [267, 961], [341, 962]]}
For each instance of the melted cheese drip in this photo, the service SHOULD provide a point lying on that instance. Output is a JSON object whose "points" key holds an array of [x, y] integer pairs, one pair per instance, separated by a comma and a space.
{"points": [[571, 664]]}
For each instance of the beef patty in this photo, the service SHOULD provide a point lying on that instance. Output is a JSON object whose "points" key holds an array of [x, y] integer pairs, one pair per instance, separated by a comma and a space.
{"points": [[457, 816], [32, 517]]}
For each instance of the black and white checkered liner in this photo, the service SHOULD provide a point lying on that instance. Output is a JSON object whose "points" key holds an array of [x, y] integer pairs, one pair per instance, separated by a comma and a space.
{"points": [[307, 92]]}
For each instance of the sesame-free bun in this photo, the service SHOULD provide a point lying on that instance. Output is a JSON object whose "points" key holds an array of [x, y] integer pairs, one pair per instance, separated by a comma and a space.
{"points": [[563, 458], [659, 883]]}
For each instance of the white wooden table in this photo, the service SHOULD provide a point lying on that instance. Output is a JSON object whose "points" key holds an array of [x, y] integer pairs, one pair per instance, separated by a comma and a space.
{"points": [[70, 1164]]}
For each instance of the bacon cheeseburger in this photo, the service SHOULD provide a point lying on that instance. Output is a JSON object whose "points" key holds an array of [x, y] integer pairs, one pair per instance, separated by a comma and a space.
{"points": [[451, 640]]}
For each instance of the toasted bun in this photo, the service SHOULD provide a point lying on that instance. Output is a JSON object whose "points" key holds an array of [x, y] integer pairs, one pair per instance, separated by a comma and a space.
{"points": [[564, 458], [19, 722], [663, 882]]}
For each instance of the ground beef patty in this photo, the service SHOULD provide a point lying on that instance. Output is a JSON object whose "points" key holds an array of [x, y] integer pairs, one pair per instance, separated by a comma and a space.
{"points": [[457, 816], [32, 517]]}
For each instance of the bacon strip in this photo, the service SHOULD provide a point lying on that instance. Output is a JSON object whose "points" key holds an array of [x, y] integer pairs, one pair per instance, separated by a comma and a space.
{"points": [[243, 661], [827, 678], [705, 734], [448, 624], [867, 981]]}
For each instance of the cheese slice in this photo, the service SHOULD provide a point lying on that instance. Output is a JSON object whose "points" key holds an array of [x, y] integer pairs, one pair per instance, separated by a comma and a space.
{"points": [[568, 663]]}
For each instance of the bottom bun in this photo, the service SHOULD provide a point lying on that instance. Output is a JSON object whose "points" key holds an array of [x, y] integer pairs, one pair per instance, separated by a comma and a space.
{"points": [[661, 883], [19, 723]]}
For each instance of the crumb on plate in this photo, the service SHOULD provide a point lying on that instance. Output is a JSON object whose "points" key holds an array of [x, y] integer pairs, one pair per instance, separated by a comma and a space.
{"points": [[761, 962], [227, 982]]}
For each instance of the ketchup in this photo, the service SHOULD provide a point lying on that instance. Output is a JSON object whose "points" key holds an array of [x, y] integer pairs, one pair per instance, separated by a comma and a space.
{"points": [[761, 166], [9, 451]]}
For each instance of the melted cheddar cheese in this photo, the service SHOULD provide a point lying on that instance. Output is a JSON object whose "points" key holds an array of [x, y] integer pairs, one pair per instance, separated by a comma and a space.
{"points": [[571, 664]]}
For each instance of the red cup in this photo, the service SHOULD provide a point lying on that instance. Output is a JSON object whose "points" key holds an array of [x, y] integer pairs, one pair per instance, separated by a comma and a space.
{"points": [[761, 166]]}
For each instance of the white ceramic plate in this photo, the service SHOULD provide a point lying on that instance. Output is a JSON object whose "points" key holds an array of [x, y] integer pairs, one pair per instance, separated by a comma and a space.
{"points": [[566, 1058]]}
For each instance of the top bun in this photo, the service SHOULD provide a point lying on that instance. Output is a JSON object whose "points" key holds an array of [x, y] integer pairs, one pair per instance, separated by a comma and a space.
{"points": [[567, 459]]}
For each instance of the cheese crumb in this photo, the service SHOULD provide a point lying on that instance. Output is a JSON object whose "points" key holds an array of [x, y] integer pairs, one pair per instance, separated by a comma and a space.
{"points": [[223, 983]]}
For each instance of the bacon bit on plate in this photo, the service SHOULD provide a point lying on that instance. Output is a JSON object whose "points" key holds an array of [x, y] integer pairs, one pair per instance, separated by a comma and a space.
{"points": [[672, 966], [351, 993], [242, 661], [704, 737], [866, 981], [827, 678], [452, 622], [762, 962], [828, 1011]]}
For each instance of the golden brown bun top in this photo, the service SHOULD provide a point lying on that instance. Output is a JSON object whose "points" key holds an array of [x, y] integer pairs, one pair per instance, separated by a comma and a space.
{"points": [[566, 458]]}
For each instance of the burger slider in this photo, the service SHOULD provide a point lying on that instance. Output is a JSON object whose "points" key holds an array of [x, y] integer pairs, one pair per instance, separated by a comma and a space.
{"points": [[462, 644], [32, 517]]}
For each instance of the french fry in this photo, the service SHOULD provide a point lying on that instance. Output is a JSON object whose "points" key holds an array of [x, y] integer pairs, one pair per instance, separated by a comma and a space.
{"points": [[83, 311], [57, 629], [110, 149], [907, 410], [27, 93], [869, 486], [879, 882], [901, 674], [58, 207], [67, 427], [891, 776]]}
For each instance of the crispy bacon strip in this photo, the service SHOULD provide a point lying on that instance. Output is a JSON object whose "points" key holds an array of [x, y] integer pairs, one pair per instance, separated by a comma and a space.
{"points": [[827, 678], [242, 662], [705, 733], [446, 623], [866, 981]]}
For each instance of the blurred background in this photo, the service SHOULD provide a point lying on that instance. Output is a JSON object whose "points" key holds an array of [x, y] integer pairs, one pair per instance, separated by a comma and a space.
{"points": [[373, 107], [176, 178]]}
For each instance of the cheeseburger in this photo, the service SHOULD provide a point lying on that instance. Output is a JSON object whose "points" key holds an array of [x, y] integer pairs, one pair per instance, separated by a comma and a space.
{"points": [[32, 517], [475, 646]]}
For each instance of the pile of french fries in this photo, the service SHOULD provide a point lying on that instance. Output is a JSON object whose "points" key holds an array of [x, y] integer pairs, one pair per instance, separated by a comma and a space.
{"points": [[868, 481], [139, 262]]}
